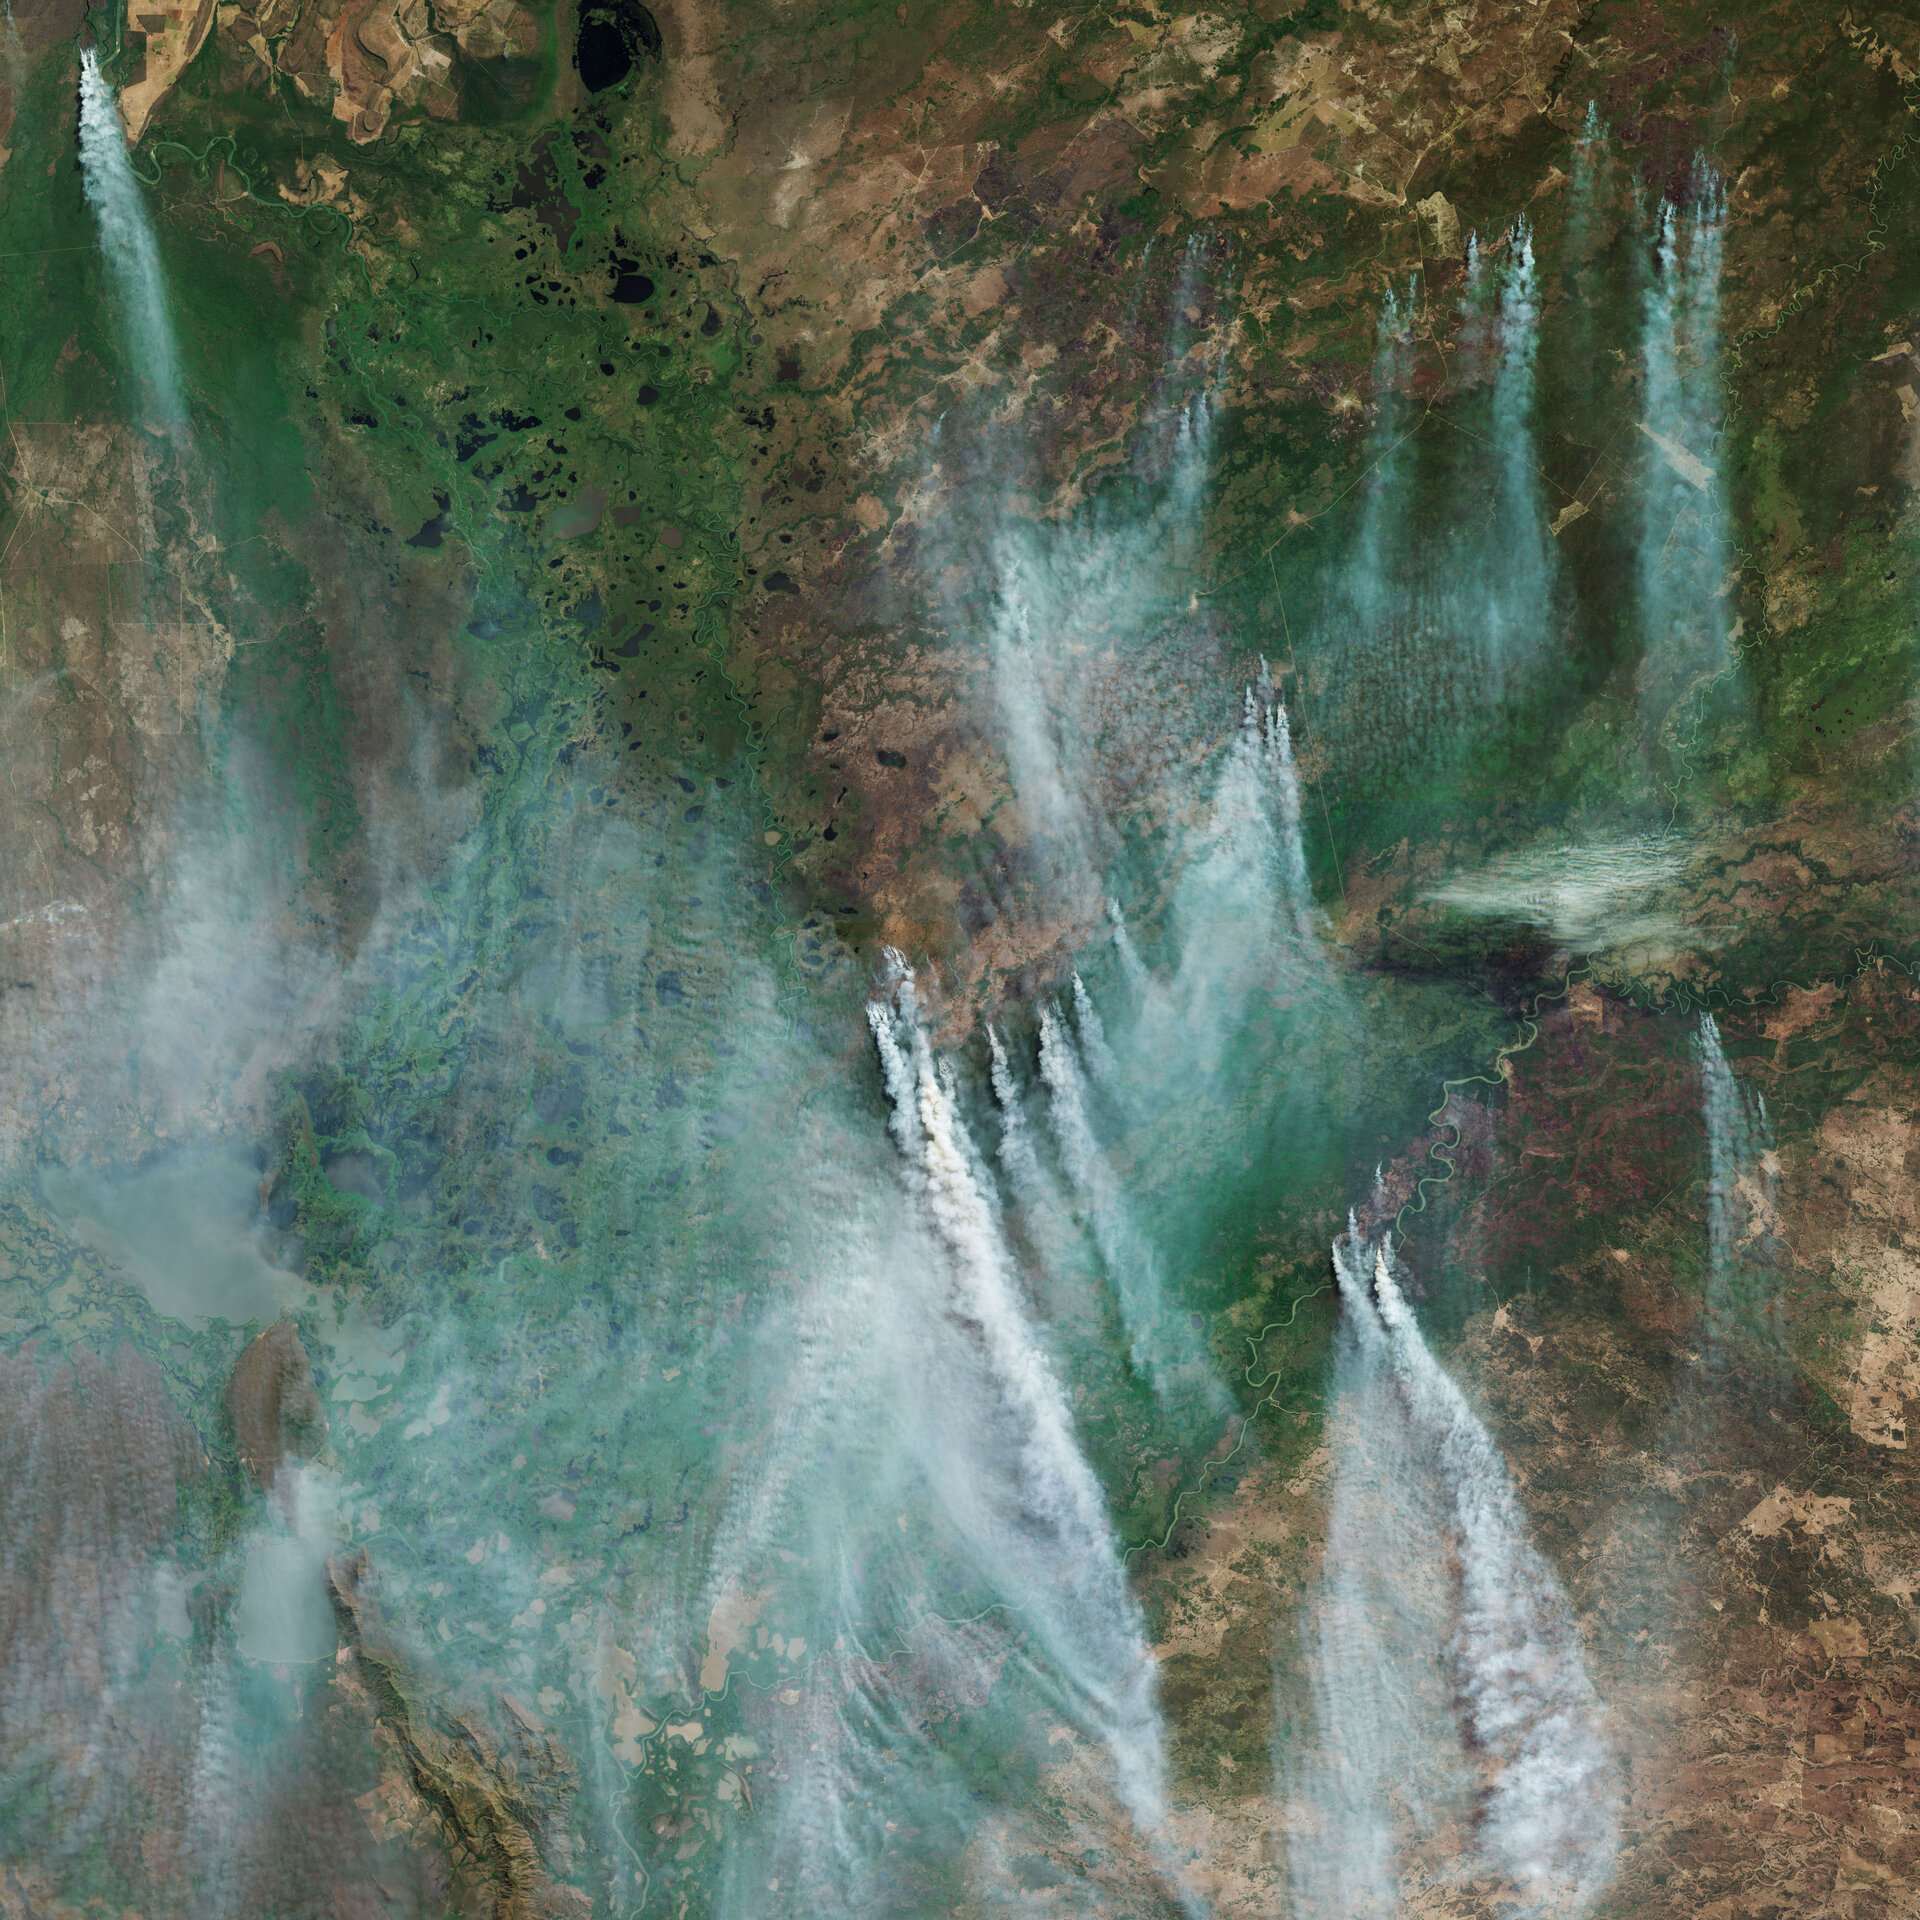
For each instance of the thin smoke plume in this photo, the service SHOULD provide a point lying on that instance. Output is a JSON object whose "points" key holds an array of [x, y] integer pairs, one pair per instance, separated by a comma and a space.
{"points": [[1744, 1308], [127, 240], [1521, 1784], [1683, 542], [1095, 1624]]}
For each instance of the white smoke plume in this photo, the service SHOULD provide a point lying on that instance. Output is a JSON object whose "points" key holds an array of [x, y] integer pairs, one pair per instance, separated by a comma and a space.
{"points": [[1434, 629], [1684, 542], [1080, 1599], [1743, 1308], [1087, 652], [1133, 969], [1092, 1034], [1243, 909], [1590, 153], [1245, 933], [1379, 1752], [1522, 569], [1297, 888], [1523, 1784], [1018, 1154], [1131, 1262], [1367, 575], [127, 241]]}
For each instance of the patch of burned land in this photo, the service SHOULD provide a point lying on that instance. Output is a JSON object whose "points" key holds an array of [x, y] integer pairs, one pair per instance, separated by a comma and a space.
{"points": [[1743, 1570], [1738, 1529]]}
